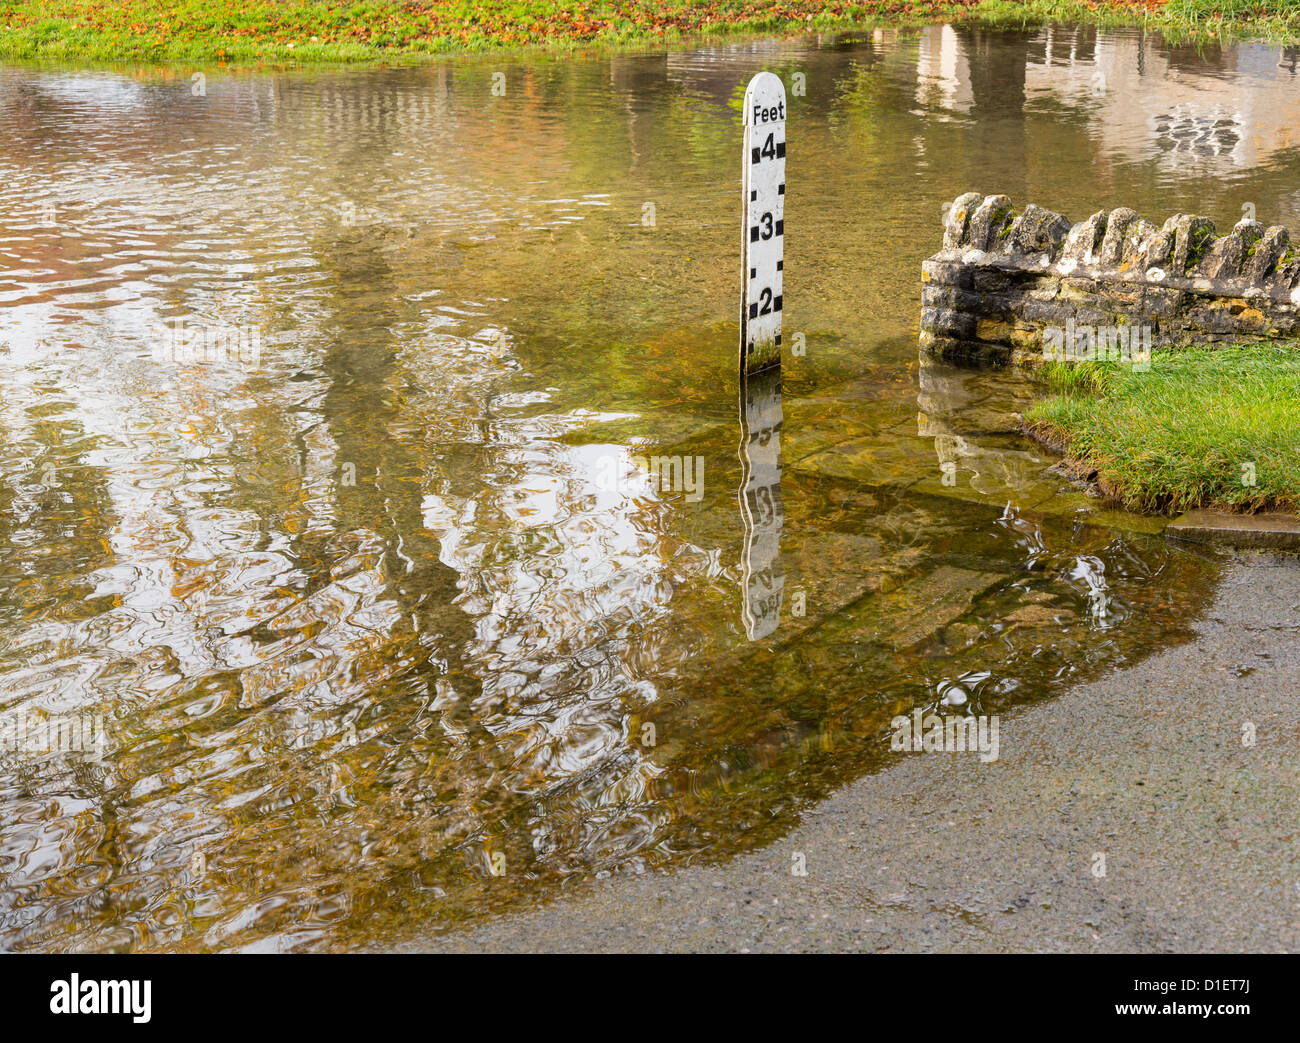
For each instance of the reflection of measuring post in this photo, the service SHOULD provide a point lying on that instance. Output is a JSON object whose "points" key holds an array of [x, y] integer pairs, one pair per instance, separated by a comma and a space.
{"points": [[763, 227], [761, 509]]}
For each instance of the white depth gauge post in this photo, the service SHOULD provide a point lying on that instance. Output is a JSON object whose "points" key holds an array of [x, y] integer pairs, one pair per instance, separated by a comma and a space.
{"points": [[763, 226]]}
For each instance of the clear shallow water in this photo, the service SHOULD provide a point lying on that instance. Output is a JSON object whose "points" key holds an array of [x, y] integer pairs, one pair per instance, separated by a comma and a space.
{"points": [[377, 625]]}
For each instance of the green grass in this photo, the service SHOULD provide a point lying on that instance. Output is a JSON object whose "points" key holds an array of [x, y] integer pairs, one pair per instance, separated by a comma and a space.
{"points": [[1188, 433], [304, 31]]}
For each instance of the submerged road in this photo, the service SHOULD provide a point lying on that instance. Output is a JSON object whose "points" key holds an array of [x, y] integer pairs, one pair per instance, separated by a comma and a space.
{"points": [[1200, 832]]}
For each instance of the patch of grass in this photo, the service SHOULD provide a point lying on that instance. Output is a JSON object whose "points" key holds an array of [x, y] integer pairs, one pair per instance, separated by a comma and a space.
{"points": [[1209, 10], [306, 31], [1083, 378], [300, 31], [1191, 432]]}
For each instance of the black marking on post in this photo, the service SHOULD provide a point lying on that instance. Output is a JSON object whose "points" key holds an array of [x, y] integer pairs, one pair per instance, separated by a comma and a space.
{"points": [[780, 150]]}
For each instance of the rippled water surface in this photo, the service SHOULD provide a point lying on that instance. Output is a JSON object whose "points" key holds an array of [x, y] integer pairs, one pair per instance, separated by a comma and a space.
{"points": [[386, 624]]}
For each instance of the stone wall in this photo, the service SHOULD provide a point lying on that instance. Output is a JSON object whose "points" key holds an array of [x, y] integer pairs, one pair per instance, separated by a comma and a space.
{"points": [[1007, 282]]}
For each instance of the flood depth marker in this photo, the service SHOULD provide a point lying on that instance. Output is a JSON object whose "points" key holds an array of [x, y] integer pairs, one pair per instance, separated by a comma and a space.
{"points": [[762, 224]]}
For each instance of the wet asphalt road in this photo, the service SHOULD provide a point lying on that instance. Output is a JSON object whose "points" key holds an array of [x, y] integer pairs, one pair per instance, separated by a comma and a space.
{"points": [[1200, 833]]}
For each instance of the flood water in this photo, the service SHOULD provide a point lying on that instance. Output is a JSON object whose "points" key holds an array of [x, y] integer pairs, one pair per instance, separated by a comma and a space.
{"points": [[458, 579]]}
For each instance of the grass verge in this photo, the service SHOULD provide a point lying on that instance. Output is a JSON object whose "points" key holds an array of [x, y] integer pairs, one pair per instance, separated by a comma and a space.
{"points": [[306, 31], [1195, 431]]}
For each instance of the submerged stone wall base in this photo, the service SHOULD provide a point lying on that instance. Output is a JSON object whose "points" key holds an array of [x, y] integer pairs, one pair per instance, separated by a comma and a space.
{"points": [[1270, 530], [1006, 284]]}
